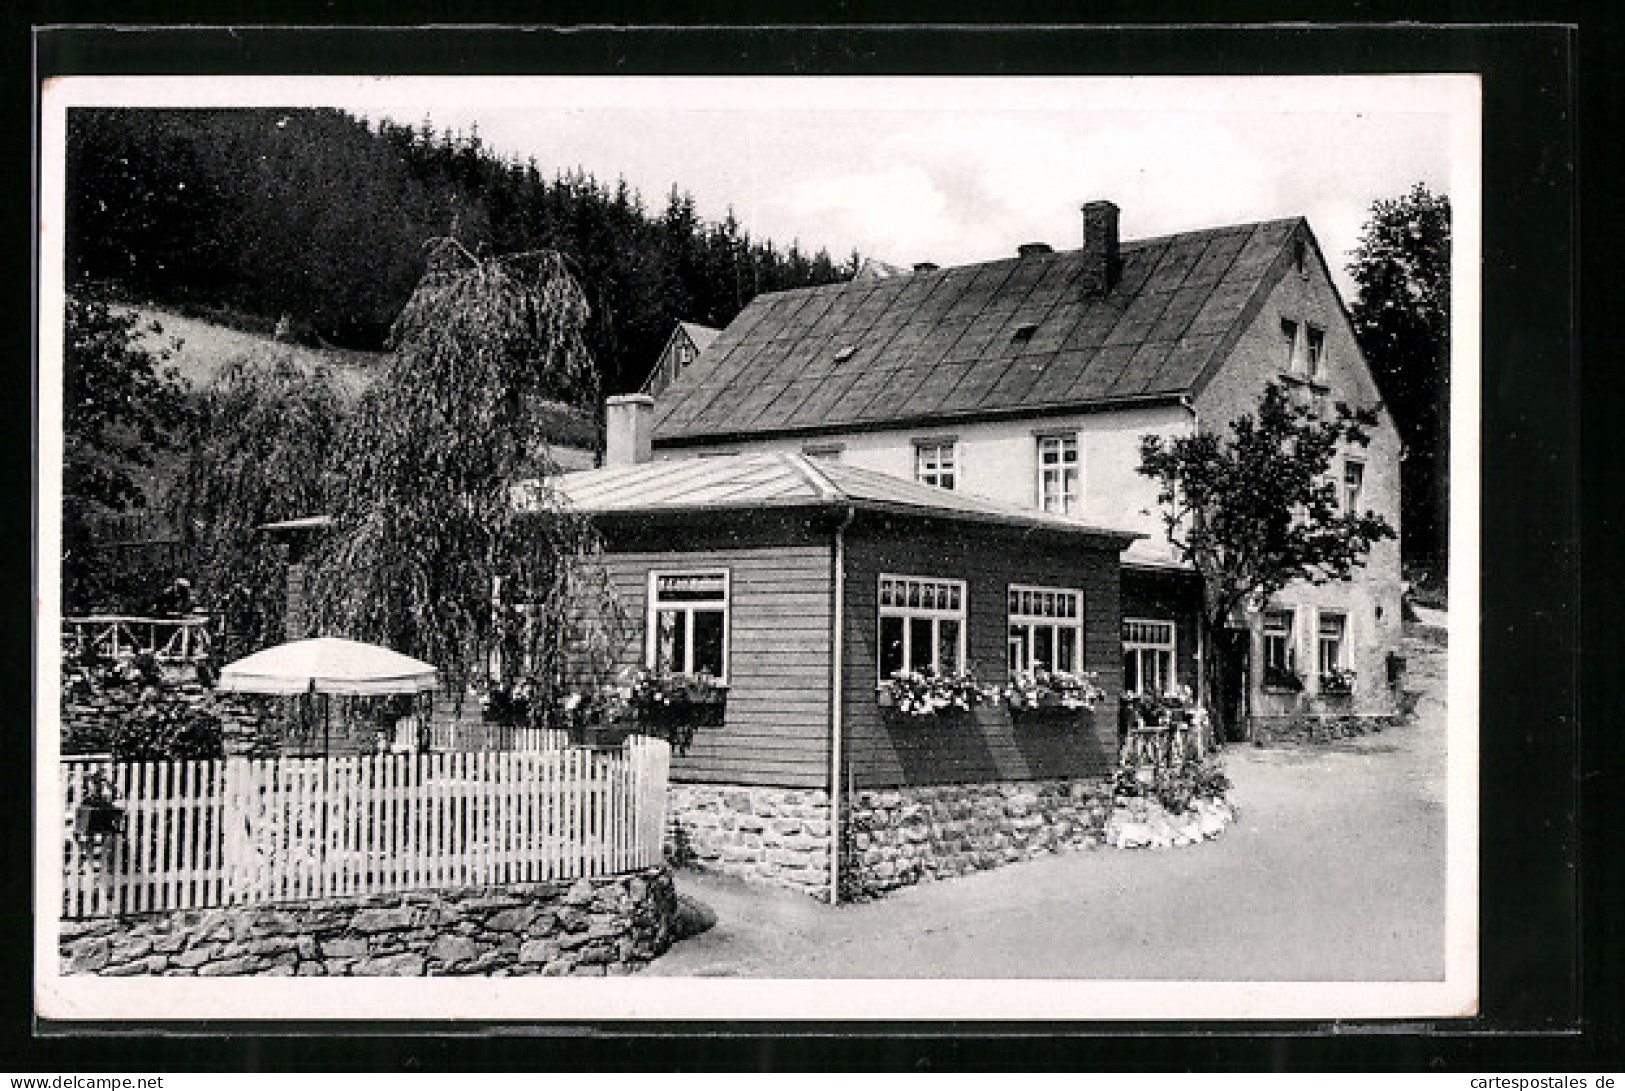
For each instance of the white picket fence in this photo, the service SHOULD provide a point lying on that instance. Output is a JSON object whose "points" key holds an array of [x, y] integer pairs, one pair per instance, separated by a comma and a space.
{"points": [[242, 832], [475, 735]]}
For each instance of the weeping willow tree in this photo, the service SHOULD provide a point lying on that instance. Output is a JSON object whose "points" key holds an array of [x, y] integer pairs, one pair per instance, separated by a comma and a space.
{"points": [[260, 451], [430, 552]]}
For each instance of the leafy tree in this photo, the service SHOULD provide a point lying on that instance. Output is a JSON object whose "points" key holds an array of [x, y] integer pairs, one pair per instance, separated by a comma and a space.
{"points": [[1258, 510], [120, 410], [1402, 319], [430, 553], [261, 451]]}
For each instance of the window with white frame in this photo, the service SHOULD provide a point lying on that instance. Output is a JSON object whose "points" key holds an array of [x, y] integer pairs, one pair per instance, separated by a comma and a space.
{"points": [[1332, 642], [1353, 486], [1315, 349], [1148, 656], [688, 622], [1058, 473], [1046, 629], [1280, 658], [934, 463], [922, 624]]}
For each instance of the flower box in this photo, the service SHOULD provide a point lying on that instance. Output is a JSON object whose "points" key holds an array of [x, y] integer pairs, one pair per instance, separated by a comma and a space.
{"points": [[1282, 680], [923, 695], [1052, 694], [1337, 683]]}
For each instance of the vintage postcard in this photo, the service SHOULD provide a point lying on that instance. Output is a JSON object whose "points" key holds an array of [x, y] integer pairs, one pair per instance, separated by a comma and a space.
{"points": [[747, 548]]}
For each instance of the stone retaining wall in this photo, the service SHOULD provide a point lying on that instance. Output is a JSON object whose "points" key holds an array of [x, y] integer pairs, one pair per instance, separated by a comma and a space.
{"points": [[774, 835], [1297, 730], [590, 927], [93, 707], [899, 836]]}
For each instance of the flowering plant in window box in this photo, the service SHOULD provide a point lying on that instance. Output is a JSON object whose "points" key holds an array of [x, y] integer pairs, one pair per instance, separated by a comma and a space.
{"points": [[1337, 682], [1282, 678], [931, 693], [1041, 689], [658, 695], [1152, 708]]}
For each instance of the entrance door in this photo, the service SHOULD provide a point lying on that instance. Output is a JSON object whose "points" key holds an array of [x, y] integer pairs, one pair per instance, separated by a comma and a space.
{"points": [[1236, 654]]}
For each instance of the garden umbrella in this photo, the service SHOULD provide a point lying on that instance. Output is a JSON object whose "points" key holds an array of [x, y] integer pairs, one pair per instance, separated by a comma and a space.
{"points": [[327, 665]]}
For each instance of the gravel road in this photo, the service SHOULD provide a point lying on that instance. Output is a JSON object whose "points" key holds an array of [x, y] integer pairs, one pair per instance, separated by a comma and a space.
{"points": [[1333, 871]]}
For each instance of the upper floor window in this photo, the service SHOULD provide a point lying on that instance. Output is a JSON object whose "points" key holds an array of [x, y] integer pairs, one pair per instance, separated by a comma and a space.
{"points": [[1058, 473], [1046, 629], [1289, 341], [1148, 656], [1353, 486], [1315, 349], [934, 463], [688, 622], [922, 624]]}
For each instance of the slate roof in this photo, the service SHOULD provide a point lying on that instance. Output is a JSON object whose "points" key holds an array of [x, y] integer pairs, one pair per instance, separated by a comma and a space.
{"points": [[1014, 336], [784, 480]]}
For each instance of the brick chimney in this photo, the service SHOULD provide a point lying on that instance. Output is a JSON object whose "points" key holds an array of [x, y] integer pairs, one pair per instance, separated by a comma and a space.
{"points": [[628, 424], [1100, 245]]}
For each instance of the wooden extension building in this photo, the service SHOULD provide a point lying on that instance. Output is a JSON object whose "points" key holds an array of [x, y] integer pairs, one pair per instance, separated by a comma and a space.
{"points": [[803, 584]]}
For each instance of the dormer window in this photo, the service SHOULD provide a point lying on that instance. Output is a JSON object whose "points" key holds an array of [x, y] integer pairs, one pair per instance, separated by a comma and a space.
{"points": [[934, 462], [1024, 334]]}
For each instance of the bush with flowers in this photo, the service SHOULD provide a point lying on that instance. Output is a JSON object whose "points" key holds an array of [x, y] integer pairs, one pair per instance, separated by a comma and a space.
{"points": [[930, 692], [1043, 689]]}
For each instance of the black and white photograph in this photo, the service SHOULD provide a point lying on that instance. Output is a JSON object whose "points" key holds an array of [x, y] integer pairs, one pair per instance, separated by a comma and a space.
{"points": [[745, 548]]}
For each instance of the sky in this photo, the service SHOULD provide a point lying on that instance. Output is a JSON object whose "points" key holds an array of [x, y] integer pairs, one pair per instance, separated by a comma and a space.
{"points": [[948, 170]]}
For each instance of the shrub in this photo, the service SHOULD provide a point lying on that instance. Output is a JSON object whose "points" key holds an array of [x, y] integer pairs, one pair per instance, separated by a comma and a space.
{"points": [[1175, 789]]}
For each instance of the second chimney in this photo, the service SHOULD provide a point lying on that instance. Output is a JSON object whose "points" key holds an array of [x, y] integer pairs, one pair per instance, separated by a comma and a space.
{"points": [[628, 429], [1100, 244]]}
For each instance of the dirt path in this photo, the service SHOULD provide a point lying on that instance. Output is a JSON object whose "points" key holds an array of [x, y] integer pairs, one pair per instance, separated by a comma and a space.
{"points": [[1334, 871]]}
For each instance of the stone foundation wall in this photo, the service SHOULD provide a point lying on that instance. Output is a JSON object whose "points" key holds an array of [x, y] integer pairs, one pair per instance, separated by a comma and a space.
{"points": [[589, 927], [899, 836], [774, 835], [1301, 729]]}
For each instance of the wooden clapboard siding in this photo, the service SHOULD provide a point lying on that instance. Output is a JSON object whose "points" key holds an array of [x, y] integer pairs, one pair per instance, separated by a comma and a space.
{"points": [[988, 745], [776, 729]]}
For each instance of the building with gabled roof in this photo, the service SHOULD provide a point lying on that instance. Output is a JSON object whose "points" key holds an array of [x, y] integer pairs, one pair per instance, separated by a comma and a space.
{"points": [[1030, 381], [687, 341]]}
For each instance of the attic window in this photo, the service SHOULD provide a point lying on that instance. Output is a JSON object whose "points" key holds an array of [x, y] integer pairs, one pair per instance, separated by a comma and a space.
{"points": [[1300, 257], [844, 353], [1024, 334]]}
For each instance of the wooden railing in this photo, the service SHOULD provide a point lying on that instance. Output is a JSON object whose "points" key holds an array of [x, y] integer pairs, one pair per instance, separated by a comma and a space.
{"points": [[241, 832], [170, 639]]}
